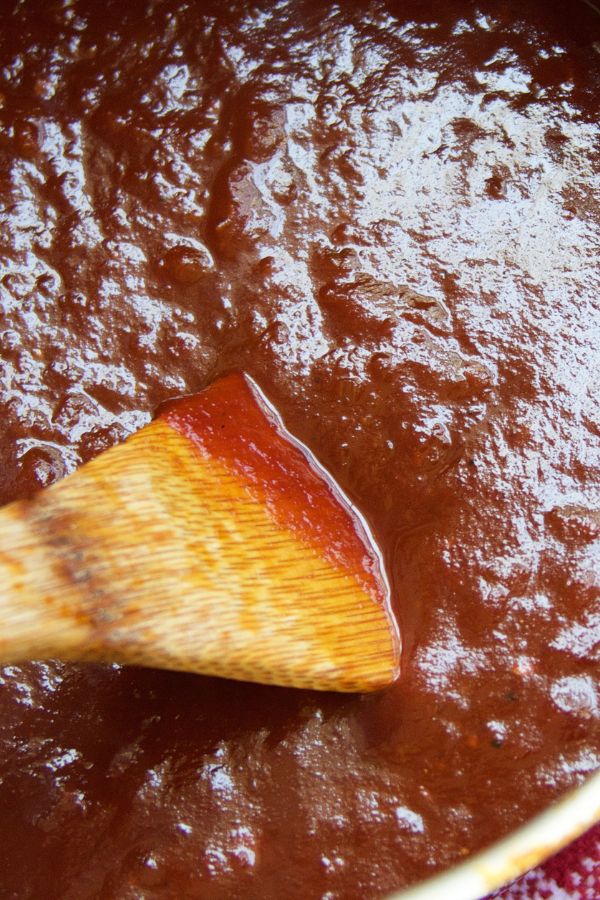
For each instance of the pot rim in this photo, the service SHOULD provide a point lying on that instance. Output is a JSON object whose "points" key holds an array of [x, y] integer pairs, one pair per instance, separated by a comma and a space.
{"points": [[517, 853]]}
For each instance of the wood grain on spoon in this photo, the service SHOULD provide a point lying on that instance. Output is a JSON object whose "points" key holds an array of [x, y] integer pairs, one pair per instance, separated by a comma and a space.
{"points": [[210, 542]]}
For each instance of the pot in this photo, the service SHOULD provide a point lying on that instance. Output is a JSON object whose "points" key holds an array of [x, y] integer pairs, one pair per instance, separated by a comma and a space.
{"points": [[519, 852]]}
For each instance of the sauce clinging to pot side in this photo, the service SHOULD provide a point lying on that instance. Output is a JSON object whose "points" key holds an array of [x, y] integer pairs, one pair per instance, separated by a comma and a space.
{"points": [[389, 214]]}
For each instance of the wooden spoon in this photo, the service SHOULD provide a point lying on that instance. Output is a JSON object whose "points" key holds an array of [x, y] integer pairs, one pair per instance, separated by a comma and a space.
{"points": [[210, 541]]}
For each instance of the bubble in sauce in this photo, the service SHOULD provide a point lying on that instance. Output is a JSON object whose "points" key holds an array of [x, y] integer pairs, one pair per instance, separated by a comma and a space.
{"points": [[185, 265], [44, 464]]}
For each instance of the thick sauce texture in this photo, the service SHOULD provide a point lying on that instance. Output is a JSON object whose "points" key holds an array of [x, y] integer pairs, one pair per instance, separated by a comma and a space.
{"points": [[388, 213]]}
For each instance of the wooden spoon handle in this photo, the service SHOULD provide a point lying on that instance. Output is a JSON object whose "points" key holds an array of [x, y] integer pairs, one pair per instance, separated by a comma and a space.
{"points": [[38, 598], [92, 568], [70, 557]]}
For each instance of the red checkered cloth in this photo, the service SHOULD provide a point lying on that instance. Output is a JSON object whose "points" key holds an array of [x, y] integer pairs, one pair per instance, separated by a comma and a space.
{"points": [[573, 874]]}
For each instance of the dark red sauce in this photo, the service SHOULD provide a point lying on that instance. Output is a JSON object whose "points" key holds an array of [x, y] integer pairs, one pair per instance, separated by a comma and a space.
{"points": [[388, 213]]}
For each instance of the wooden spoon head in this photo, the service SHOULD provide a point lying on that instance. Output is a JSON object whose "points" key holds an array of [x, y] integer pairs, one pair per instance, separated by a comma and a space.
{"points": [[311, 604], [211, 541]]}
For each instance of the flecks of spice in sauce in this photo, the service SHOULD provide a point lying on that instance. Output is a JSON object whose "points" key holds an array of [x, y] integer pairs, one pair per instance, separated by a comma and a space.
{"points": [[388, 214]]}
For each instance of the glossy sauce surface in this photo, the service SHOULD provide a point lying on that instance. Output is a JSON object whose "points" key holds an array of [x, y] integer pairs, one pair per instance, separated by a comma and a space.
{"points": [[389, 214]]}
